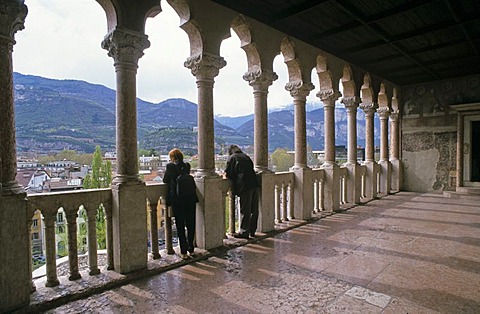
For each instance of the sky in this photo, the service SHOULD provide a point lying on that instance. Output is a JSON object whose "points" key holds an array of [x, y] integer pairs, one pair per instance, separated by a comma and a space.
{"points": [[61, 40]]}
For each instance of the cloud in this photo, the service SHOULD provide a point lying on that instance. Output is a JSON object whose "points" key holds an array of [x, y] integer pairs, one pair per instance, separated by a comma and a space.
{"points": [[62, 40]]}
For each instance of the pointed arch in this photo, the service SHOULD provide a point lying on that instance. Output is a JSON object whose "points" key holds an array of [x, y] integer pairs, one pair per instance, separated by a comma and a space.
{"points": [[348, 83], [287, 47], [383, 98], [366, 92]]}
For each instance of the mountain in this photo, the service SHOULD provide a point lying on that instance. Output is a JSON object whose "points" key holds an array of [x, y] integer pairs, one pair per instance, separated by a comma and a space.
{"points": [[52, 115]]}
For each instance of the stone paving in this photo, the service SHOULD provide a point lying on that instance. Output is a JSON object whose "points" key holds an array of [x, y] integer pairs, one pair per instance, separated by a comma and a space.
{"points": [[403, 253]]}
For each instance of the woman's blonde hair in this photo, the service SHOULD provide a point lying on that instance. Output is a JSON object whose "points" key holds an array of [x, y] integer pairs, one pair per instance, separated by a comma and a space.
{"points": [[175, 155]]}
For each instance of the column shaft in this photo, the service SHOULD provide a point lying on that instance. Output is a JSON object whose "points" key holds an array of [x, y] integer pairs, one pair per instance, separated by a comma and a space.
{"points": [[260, 140], [394, 137], [205, 67], [329, 124], [384, 134], [206, 139], [300, 133], [8, 155]]}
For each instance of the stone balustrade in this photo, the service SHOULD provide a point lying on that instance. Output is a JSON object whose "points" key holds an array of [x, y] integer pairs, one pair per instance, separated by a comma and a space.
{"points": [[279, 188]]}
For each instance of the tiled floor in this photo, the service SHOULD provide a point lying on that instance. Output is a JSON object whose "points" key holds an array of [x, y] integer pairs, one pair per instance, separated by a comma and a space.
{"points": [[404, 253]]}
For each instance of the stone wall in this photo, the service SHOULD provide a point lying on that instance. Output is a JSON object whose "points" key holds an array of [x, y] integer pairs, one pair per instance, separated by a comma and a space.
{"points": [[429, 131]]}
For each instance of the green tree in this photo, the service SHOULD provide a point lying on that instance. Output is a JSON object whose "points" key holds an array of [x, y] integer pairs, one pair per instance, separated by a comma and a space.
{"points": [[101, 177], [281, 160]]}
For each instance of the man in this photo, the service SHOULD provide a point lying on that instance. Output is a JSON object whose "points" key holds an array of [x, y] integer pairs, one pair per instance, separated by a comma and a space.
{"points": [[244, 184]]}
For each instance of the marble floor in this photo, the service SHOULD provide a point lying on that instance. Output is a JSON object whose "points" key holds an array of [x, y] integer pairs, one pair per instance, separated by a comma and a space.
{"points": [[403, 253]]}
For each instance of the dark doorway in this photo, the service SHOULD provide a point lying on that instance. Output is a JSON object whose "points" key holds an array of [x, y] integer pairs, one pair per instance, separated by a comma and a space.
{"points": [[475, 175]]}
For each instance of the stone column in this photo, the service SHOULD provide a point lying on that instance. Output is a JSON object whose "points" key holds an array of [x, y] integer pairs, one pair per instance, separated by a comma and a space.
{"points": [[299, 91], [354, 182], [260, 81], [371, 165], [395, 162], [332, 178], [211, 208], [205, 67], [460, 139], [15, 283], [129, 215], [385, 167], [303, 184]]}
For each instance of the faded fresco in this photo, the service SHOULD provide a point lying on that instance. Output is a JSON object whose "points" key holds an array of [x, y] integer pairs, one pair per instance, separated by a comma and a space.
{"points": [[429, 131]]}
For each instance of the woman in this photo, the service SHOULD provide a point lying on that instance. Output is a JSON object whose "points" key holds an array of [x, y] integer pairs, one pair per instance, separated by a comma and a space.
{"points": [[183, 207]]}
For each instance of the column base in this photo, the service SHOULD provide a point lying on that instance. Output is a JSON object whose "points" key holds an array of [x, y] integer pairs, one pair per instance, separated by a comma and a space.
{"points": [[266, 217], [15, 255], [371, 186], [354, 183], [331, 192], [129, 223], [210, 215], [303, 194], [385, 176], [397, 174]]}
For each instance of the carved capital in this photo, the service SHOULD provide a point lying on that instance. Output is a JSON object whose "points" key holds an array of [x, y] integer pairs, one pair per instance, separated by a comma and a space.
{"points": [[125, 46], [383, 112], [12, 18], [328, 97], [205, 65], [260, 79], [394, 115], [369, 108], [351, 103], [299, 89]]}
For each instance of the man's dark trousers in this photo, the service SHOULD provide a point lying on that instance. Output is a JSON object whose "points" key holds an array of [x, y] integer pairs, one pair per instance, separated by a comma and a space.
{"points": [[249, 211]]}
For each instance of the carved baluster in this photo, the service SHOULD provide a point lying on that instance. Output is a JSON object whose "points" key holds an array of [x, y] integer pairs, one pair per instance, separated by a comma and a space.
{"points": [[315, 196], [277, 204], [231, 208], [109, 227], [289, 200], [72, 244], [92, 241], [168, 230], [51, 252], [154, 228], [284, 202]]}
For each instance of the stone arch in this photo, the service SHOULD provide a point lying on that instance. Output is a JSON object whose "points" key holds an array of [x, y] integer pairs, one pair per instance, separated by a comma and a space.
{"points": [[129, 15], [348, 83], [241, 27], [383, 99], [287, 47], [329, 74], [395, 100], [197, 42], [366, 91]]}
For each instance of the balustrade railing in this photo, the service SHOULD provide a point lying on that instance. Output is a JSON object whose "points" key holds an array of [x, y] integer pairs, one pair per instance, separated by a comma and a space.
{"points": [[318, 177], [156, 199], [343, 186], [283, 189], [70, 203]]}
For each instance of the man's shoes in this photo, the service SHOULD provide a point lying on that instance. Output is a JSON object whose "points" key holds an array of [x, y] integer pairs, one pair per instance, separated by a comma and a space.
{"points": [[241, 235], [183, 256], [252, 235], [191, 253]]}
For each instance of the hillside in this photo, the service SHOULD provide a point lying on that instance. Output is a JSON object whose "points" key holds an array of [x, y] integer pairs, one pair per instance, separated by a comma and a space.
{"points": [[52, 115]]}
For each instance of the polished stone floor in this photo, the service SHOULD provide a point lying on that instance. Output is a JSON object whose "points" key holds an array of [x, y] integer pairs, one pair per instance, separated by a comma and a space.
{"points": [[403, 253]]}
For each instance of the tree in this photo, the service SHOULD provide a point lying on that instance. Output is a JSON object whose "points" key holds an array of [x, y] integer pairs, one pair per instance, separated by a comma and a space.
{"points": [[101, 177], [281, 160]]}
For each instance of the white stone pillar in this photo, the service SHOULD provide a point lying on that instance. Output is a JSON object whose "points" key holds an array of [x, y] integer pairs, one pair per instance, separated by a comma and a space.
{"points": [[395, 161], [384, 163], [129, 215], [15, 271], [303, 190], [205, 67], [211, 208], [260, 81], [371, 165], [354, 183], [332, 178]]}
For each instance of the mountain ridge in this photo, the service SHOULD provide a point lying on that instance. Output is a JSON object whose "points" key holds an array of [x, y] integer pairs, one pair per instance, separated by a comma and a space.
{"points": [[52, 115]]}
